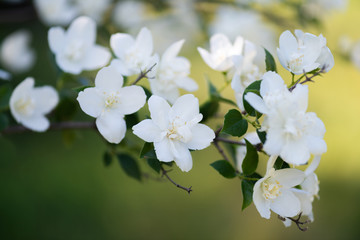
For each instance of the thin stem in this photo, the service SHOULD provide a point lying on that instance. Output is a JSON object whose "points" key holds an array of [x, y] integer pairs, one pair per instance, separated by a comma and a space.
{"points": [[217, 146], [53, 126], [143, 75], [297, 221], [220, 139], [164, 173]]}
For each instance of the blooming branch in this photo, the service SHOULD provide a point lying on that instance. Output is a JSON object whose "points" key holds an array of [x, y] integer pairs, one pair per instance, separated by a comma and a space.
{"points": [[164, 173]]}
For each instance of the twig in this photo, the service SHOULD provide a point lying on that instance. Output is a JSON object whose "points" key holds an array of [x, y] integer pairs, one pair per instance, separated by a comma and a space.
{"points": [[220, 139], [143, 75], [216, 144], [53, 126], [164, 173], [297, 222], [307, 79]]}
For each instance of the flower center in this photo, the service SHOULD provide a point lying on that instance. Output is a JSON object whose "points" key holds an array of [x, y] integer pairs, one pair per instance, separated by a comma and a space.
{"points": [[111, 99], [178, 130], [296, 62], [75, 51], [133, 58], [271, 189], [25, 106]]}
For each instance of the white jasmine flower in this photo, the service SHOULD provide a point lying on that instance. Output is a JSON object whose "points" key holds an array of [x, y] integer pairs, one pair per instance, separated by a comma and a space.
{"points": [[75, 50], [274, 192], [29, 105], [172, 73], [134, 55], [292, 133], [254, 139], [246, 72], [221, 51], [94, 9], [174, 130], [325, 59], [15, 52], [109, 102], [299, 55], [227, 21], [56, 12]]}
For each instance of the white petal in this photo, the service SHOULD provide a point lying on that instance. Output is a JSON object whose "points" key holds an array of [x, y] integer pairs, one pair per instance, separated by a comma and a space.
{"points": [[56, 38], [68, 66], [219, 41], [313, 48], [295, 152], [274, 142], [120, 43], [22, 91], [172, 51], [36, 123], [159, 111], [326, 59], [261, 204], [288, 43], [187, 83], [300, 96], [84, 29], [46, 98], [169, 94], [186, 107], [202, 136], [111, 126], [282, 59], [206, 56], [121, 67], [256, 102], [148, 131], [316, 145], [271, 82], [313, 166], [91, 102], [96, 57], [132, 98], [163, 150], [286, 205], [108, 78], [289, 177], [182, 156], [144, 42], [305, 201]]}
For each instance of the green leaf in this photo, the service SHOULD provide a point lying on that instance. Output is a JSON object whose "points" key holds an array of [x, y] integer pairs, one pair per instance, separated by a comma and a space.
{"points": [[270, 61], [209, 109], [254, 88], [4, 121], [107, 158], [154, 164], [247, 188], [148, 151], [224, 168], [80, 88], [129, 165], [131, 120], [251, 159], [225, 100], [261, 135], [280, 164], [234, 124], [213, 92]]}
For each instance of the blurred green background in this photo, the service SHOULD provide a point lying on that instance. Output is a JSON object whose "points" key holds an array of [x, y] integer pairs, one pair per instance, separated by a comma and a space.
{"points": [[50, 190]]}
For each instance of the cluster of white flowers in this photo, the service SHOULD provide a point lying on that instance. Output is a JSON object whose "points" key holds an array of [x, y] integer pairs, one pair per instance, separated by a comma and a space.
{"points": [[236, 60], [291, 132]]}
